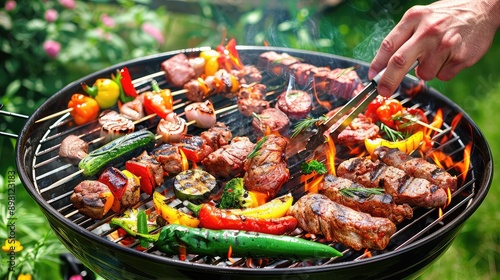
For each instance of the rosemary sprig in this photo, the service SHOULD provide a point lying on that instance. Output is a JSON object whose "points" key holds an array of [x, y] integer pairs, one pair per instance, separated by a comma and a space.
{"points": [[363, 192], [392, 134], [344, 71], [304, 124], [257, 147]]}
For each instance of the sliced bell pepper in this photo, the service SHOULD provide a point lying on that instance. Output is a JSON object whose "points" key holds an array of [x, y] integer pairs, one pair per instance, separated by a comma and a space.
{"points": [[158, 101], [211, 61], [229, 58], [115, 180], [407, 145], [145, 174], [85, 108], [104, 91], [127, 89], [212, 217], [172, 215], [275, 208]]}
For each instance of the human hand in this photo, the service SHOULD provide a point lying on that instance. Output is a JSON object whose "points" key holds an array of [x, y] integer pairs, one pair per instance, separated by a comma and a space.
{"points": [[445, 37]]}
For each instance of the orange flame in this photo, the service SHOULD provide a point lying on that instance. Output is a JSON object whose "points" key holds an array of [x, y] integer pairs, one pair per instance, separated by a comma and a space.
{"points": [[330, 155], [463, 166], [229, 254], [325, 104], [366, 254], [313, 185]]}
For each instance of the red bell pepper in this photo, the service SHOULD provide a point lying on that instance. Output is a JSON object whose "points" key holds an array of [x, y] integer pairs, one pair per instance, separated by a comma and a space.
{"points": [[144, 172], [159, 101], [229, 58], [115, 180], [212, 217], [127, 89]]}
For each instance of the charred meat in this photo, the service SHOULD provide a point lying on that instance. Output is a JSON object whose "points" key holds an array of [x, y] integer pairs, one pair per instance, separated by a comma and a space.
{"points": [[217, 136], [252, 99], [227, 162], [73, 149], [92, 199], [357, 131], [317, 214], [416, 167], [402, 187], [267, 171], [170, 159], [377, 205]]}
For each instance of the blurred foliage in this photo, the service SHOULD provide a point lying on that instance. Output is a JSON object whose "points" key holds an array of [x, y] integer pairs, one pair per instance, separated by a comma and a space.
{"points": [[90, 42]]}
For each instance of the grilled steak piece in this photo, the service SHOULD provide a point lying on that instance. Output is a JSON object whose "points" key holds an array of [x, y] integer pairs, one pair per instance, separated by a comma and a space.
{"points": [[178, 70], [267, 171], [252, 99], [320, 78], [73, 149], [217, 136], [316, 213], [194, 91], [271, 120], [248, 75], [89, 197], [278, 64], [343, 82], [357, 131], [170, 159], [377, 205], [402, 187], [296, 104], [416, 167], [302, 73], [227, 161]]}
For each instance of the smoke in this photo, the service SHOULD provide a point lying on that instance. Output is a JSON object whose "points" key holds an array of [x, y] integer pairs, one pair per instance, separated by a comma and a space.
{"points": [[366, 50]]}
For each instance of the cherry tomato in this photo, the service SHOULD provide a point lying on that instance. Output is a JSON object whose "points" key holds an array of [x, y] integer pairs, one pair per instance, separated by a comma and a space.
{"points": [[388, 111], [371, 111]]}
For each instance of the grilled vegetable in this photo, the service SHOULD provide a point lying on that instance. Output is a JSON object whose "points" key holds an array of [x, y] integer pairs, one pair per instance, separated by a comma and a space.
{"points": [[104, 91], [142, 227], [127, 89], [124, 147], [173, 239], [212, 217], [159, 101], [85, 109], [144, 172], [195, 185], [129, 222], [236, 196], [275, 208], [407, 145], [172, 215]]}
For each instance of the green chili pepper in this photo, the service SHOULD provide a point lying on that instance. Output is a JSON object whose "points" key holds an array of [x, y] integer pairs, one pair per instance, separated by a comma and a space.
{"points": [[174, 239], [130, 222], [142, 227]]}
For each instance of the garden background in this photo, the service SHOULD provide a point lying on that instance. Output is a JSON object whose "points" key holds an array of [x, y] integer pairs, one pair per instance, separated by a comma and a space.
{"points": [[45, 45]]}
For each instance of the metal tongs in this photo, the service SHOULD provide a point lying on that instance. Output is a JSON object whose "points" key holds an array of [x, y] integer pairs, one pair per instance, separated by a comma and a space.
{"points": [[352, 108]]}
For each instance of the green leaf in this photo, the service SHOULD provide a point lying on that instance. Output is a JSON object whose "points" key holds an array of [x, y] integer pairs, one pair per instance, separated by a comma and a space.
{"points": [[313, 165], [12, 88]]}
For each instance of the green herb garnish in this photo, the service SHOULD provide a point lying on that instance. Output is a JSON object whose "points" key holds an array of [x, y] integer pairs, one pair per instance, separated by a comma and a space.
{"points": [[392, 134], [362, 192], [305, 123], [313, 165], [257, 147]]}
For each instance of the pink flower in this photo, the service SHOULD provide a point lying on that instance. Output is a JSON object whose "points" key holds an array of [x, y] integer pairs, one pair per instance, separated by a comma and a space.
{"points": [[153, 31], [69, 4], [51, 15], [107, 20], [52, 48], [10, 5]]}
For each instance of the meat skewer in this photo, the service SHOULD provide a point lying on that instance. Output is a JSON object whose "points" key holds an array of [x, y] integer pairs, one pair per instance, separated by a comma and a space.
{"points": [[317, 214], [402, 187]]}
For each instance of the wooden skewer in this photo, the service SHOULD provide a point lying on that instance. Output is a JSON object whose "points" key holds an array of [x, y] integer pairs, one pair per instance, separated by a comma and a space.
{"points": [[423, 124], [54, 115]]}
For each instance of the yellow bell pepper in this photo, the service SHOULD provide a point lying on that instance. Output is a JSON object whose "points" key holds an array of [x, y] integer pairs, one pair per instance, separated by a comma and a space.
{"points": [[172, 215], [407, 145], [275, 208], [211, 61], [104, 91]]}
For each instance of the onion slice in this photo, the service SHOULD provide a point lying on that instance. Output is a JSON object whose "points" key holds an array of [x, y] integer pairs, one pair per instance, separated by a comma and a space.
{"points": [[172, 128], [202, 113]]}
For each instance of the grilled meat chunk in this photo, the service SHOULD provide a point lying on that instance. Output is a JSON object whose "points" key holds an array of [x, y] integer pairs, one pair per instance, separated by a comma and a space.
{"points": [[170, 159], [277, 64], [296, 104], [402, 187], [90, 197], [252, 99], [217, 136], [416, 167], [343, 83], [316, 213], [153, 164], [73, 149], [267, 171], [178, 70], [248, 75], [271, 120], [227, 161], [357, 131], [302, 73], [377, 205]]}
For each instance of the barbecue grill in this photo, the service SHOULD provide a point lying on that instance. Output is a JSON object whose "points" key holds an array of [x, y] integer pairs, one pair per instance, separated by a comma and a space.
{"points": [[415, 245]]}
